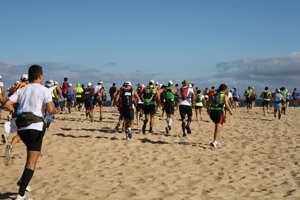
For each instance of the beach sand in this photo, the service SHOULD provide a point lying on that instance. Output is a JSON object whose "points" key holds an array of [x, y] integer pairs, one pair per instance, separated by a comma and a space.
{"points": [[259, 159]]}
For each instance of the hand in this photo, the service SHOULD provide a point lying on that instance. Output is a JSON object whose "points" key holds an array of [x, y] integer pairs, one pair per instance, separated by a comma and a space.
{"points": [[230, 112]]}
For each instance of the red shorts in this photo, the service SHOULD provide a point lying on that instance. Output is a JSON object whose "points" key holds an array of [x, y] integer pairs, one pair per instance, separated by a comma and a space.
{"points": [[217, 116], [296, 100]]}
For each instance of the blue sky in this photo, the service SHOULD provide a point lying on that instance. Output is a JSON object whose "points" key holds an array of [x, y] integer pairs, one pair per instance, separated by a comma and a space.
{"points": [[159, 39]]}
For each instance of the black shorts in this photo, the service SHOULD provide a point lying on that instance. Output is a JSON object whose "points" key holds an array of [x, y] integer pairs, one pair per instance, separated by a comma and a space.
{"points": [[217, 116], [235, 99], [98, 102], [265, 103], [56, 103], [149, 109], [64, 95], [139, 107], [186, 110], [198, 107], [169, 108], [79, 100], [88, 104], [32, 139], [127, 113]]}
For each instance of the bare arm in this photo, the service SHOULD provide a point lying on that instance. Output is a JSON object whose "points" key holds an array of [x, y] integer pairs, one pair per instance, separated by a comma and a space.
{"points": [[136, 96], [50, 108], [9, 105], [227, 105]]}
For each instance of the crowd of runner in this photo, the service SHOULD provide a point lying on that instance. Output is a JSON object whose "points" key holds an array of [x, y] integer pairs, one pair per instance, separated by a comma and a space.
{"points": [[135, 105]]}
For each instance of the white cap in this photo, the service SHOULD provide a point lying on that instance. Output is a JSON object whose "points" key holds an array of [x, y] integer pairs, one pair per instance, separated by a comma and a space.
{"points": [[55, 83], [17, 82], [160, 85], [287, 90], [100, 82], [70, 84], [89, 84], [190, 85], [0, 77], [24, 76], [157, 83], [170, 82], [206, 96], [51, 82], [143, 85], [151, 81], [128, 83]]}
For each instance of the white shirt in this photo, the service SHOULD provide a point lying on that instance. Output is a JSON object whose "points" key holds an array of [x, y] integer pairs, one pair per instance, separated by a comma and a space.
{"points": [[188, 101], [229, 94], [97, 88], [1, 85], [33, 98]]}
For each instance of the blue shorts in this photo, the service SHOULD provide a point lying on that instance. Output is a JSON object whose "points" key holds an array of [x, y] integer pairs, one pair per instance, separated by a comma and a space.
{"points": [[277, 105]]}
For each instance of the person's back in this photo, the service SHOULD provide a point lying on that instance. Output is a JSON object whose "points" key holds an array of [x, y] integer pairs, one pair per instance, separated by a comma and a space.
{"points": [[149, 94], [235, 93], [126, 98], [29, 98]]}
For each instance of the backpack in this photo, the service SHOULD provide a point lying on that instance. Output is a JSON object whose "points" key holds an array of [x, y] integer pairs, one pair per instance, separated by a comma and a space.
{"points": [[169, 95], [199, 98], [184, 91], [149, 95], [216, 100]]}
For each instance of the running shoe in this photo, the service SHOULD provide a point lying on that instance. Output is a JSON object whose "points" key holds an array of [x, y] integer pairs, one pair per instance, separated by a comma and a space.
{"points": [[25, 197], [28, 188], [188, 129], [184, 135], [167, 130], [150, 130], [214, 144], [8, 152]]}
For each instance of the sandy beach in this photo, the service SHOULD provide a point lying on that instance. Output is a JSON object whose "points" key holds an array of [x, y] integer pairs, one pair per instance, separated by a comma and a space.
{"points": [[259, 159]]}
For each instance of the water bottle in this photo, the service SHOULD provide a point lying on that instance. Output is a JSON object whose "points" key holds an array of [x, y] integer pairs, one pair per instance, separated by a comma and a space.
{"points": [[19, 111]]}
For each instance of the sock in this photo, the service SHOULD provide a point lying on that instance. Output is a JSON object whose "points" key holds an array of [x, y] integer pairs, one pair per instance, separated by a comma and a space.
{"points": [[26, 177], [170, 122]]}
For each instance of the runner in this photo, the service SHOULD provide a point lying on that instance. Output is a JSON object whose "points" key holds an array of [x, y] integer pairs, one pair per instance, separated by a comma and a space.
{"points": [[177, 97], [161, 90], [126, 98], [295, 96], [88, 102], [64, 90], [78, 95], [186, 103], [16, 139], [248, 94], [151, 100], [266, 97], [283, 93], [70, 98], [199, 105], [139, 107], [230, 98], [121, 118], [254, 96], [205, 92], [55, 94], [216, 107], [32, 135], [2, 101], [236, 98], [169, 105], [288, 98], [212, 91], [278, 101], [112, 92], [2, 95], [99, 97]]}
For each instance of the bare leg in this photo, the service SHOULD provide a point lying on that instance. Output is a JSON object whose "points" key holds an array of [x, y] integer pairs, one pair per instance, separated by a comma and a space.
{"points": [[217, 132]]}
